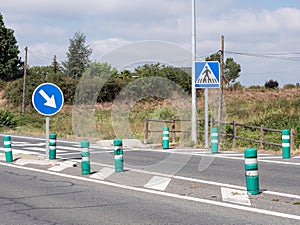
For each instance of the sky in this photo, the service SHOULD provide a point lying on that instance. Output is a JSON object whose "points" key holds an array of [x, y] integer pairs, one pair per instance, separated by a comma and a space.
{"points": [[263, 36]]}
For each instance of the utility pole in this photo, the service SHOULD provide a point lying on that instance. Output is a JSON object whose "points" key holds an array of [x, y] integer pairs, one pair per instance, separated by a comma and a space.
{"points": [[24, 81], [194, 105], [223, 79]]}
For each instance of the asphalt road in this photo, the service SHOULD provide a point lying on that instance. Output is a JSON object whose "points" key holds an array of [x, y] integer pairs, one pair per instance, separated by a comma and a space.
{"points": [[29, 197], [188, 190]]}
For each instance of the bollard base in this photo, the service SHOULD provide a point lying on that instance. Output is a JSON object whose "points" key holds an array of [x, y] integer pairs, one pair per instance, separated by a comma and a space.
{"points": [[214, 149], [85, 168], [52, 154], [286, 154], [119, 165], [166, 145], [252, 183], [8, 157]]}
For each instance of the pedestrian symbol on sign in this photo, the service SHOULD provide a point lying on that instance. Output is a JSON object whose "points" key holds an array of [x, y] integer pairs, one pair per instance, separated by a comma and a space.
{"points": [[207, 75]]}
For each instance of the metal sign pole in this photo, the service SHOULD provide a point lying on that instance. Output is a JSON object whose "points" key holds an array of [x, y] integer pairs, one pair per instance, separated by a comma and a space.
{"points": [[194, 51], [48, 100], [47, 136], [206, 118]]}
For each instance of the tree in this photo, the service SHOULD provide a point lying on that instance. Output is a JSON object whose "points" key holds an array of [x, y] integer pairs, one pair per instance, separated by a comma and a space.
{"points": [[10, 63], [231, 68], [55, 65], [272, 84], [77, 56]]}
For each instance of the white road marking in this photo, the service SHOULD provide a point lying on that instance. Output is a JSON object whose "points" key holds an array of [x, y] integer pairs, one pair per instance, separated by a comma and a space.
{"points": [[166, 194], [32, 161], [103, 173], [158, 183], [42, 149], [62, 165], [235, 196], [269, 157], [67, 148], [201, 181], [22, 144], [260, 160]]}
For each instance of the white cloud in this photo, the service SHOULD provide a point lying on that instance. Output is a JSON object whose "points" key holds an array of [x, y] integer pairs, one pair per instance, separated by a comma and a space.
{"points": [[248, 26]]}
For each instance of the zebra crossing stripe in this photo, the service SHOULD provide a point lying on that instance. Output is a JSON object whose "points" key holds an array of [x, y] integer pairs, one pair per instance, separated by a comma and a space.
{"points": [[235, 196], [158, 183], [103, 173]]}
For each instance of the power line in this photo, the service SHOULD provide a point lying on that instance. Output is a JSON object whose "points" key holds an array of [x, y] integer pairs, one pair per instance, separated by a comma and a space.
{"points": [[292, 56]]}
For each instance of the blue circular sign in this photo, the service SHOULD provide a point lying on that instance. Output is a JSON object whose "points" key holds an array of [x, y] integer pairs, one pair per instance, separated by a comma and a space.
{"points": [[47, 99]]}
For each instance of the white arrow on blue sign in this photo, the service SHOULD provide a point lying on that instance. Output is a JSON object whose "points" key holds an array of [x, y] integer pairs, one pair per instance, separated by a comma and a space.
{"points": [[47, 99]]}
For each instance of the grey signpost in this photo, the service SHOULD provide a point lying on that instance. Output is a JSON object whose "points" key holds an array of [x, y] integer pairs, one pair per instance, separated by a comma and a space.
{"points": [[207, 75], [48, 100]]}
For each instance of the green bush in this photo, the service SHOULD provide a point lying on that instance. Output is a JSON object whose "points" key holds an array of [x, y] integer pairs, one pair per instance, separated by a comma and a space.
{"points": [[7, 119], [289, 86]]}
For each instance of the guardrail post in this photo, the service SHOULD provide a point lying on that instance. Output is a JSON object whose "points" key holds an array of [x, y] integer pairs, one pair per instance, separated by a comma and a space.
{"points": [[173, 130], [286, 148], [146, 130], [262, 136], [251, 168], [7, 148], [234, 135], [292, 139], [214, 140], [118, 153], [85, 154], [165, 138], [52, 146]]}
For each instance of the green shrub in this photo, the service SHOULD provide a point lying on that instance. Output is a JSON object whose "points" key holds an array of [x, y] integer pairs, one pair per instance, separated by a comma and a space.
{"points": [[7, 119], [289, 86]]}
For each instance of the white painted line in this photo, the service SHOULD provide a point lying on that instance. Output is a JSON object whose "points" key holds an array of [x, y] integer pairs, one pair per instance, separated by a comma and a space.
{"points": [[62, 165], [103, 173], [27, 144], [166, 194], [260, 160], [280, 162], [16, 151], [231, 154], [32, 161], [158, 183], [69, 153], [41, 149], [235, 196], [269, 157], [201, 181], [68, 148]]}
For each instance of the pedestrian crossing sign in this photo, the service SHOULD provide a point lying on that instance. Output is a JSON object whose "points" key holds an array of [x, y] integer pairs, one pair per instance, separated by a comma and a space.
{"points": [[207, 74]]}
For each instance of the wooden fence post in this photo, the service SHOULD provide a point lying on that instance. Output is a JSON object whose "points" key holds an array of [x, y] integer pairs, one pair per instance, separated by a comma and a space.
{"points": [[292, 139], [146, 130], [212, 124], [234, 135], [173, 130], [262, 135]]}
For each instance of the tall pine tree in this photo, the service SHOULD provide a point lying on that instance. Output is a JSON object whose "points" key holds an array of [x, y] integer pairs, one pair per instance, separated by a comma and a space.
{"points": [[77, 56], [10, 63]]}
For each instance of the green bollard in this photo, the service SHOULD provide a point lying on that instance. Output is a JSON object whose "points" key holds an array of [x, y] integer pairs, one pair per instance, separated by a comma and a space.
{"points": [[85, 154], [7, 148], [251, 168], [165, 139], [214, 140], [52, 146], [286, 148], [118, 153]]}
